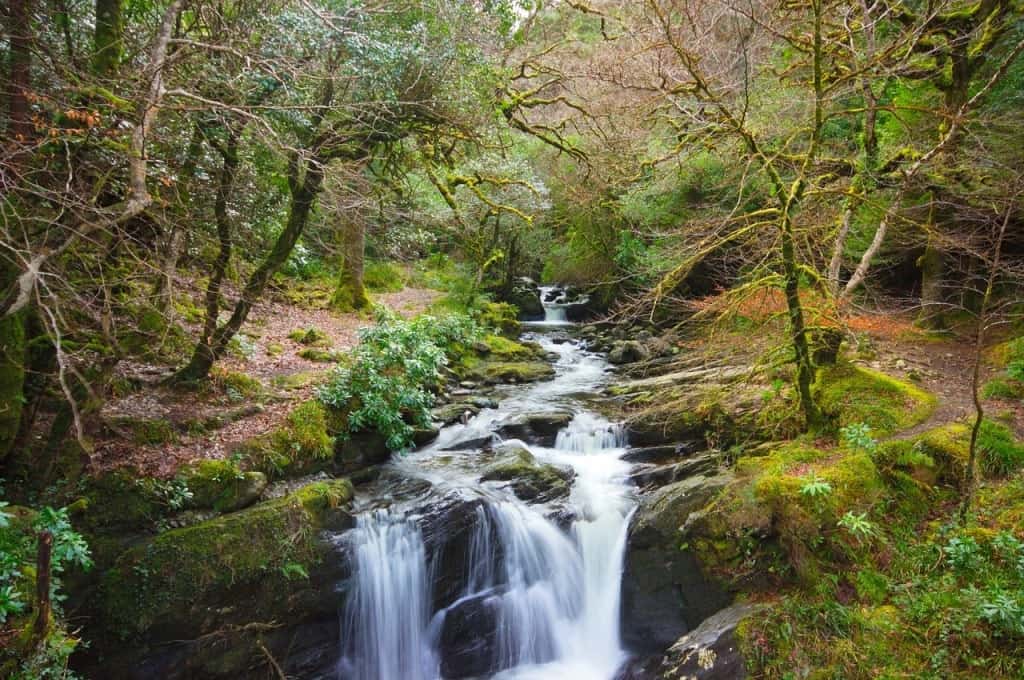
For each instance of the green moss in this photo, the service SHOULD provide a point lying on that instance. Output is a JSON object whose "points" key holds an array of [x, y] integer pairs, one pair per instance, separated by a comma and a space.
{"points": [[349, 295], [851, 394], [296, 381], [492, 372], [221, 484], [502, 317], [503, 349], [152, 431], [311, 337], [274, 349], [121, 499], [236, 383], [301, 446], [948, 446], [383, 277], [169, 580], [319, 355]]}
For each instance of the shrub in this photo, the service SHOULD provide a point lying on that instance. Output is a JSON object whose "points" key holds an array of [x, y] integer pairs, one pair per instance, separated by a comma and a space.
{"points": [[388, 384]]}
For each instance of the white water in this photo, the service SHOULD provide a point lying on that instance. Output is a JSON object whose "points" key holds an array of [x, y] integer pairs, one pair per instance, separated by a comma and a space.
{"points": [[554, 592]]}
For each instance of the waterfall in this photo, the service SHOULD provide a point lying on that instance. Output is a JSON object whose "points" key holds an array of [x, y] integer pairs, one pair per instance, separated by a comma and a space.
{"points": [[388, 616], [554, 305], [546, 594]]}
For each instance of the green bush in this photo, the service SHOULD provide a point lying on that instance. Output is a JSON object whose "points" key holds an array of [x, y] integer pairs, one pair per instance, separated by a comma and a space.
{"points": [[388, 384]]}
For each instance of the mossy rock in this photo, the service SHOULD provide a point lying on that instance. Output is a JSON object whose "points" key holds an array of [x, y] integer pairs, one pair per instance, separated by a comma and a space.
{"points": [[301, 446], [320, 356], [221, 485], [529, 479], [948, 446], [852, 394], [496, 372], [500, 348], [152, 431], [500, 316], [121, 499], [311, 337], [184, 583]]}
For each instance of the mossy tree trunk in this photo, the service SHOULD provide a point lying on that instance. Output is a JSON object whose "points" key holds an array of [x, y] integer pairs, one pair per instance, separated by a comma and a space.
{"points": [[933, 266], [13, 356], [108, 43], [350, 293], [19, 75]]}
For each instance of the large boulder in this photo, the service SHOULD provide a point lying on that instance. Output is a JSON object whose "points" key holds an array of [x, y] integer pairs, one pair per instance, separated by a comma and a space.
{"points": [[212, 600], [628, 352], [665, 591], [467, 638], [711, 651], [529, 479], [498, 372], [525, 295]]}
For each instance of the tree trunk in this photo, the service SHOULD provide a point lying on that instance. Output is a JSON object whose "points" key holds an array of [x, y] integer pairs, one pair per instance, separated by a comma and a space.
{"points": [[44, 555], [303, 196], [13, 356], [933, 267], [798, 329], [19, 82], [108, 44], [967, 493], [350, 293]]}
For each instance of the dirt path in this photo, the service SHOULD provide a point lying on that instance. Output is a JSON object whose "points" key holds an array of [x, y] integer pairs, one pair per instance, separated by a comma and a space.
{"points": [[939, 365], [269, 356]]}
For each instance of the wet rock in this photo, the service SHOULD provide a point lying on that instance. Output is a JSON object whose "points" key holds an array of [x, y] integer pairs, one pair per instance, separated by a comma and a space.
{"points": [[525, 295], [711, 651], [360, 450], [421, 436], [448, 526], [455, 412], [470, 444], [661, 453], [539, 428], [628, 352], [529, 479], [467, 638], [665, 592], [660, 475]]}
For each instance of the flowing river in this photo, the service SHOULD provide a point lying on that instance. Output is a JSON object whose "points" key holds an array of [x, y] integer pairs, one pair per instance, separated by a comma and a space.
{"points": [[536, 591]]}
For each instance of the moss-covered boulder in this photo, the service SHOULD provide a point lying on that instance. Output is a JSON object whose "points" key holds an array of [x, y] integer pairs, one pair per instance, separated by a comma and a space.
{"points": [[200, 601], [497, 372], [529, 479], [222, 485], [665, 590], [500, 316], [301, 446]]}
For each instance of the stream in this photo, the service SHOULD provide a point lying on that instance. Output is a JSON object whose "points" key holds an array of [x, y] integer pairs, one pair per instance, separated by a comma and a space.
{"points": [[454, 577]]}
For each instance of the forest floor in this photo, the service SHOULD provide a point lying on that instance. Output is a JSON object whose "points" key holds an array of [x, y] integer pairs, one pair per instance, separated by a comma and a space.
{"points": [[270, 357]]}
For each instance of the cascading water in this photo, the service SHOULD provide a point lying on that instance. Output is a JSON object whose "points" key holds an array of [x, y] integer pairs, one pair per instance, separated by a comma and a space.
{"points": [[392, 566], [553, 300], [547, 589]]}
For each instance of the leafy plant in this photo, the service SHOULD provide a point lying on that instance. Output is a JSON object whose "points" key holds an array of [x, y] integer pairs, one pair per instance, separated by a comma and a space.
{"points": [[963, 552], [815, 487], [1004, 612], [858, 436], [388, 384], [859, 526], [10, 602]]}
